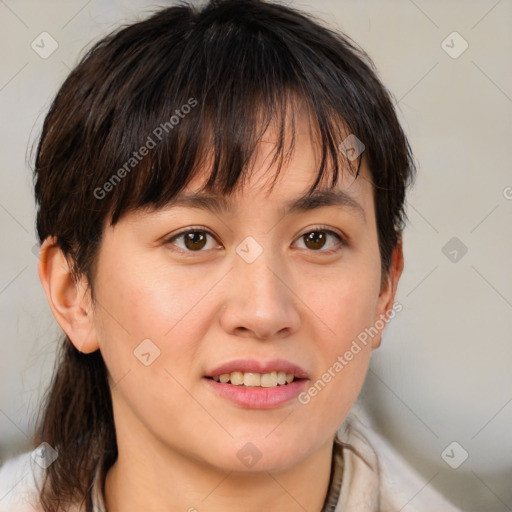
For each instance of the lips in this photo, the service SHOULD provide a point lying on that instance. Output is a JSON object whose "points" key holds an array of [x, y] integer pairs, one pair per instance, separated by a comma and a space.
{"points": [[253, 384]]}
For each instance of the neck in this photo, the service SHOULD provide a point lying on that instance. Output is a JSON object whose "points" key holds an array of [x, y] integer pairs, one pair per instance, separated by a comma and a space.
{"points": [[167, 481]]}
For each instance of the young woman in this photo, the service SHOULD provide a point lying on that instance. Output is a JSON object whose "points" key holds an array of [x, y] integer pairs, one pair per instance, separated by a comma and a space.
{"points": [[220, 201]]}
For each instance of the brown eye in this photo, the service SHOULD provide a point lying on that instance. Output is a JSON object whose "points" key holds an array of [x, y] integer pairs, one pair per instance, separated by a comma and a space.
{"points": [[315, 240], [193, 240], [318, 239]]}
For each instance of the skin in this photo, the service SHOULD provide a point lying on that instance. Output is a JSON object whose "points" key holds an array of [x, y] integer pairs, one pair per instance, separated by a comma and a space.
{"points": [[177, 440]]}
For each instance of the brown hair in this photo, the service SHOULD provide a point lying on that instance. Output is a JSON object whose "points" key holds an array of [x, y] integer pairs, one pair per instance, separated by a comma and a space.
{"points": [[183, 83]]}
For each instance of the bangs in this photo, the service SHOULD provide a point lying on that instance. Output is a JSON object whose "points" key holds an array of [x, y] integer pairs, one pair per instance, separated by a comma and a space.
{"points": [[203, 101]]}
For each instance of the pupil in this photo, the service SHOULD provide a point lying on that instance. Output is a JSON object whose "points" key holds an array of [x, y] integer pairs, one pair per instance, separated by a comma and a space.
{"points": [[317, 238], [195, 238]]}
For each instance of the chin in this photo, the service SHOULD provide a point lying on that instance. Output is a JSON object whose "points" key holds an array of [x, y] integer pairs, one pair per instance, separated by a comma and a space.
{"points": [[256, 454]]}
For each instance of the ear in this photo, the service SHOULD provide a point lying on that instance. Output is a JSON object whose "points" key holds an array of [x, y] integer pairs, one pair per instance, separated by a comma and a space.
{"points": [[70, 301], [385, 309]]}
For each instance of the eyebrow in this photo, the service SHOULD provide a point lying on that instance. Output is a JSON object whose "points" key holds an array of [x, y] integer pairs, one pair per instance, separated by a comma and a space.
{"points": [[308, 202]]}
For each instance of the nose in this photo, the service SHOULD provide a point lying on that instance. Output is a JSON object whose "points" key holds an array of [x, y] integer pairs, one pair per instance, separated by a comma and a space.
{"points": [[261, 302]]}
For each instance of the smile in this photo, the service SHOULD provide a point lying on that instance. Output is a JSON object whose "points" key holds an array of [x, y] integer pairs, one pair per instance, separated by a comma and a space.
{"points": [[252, 379]]}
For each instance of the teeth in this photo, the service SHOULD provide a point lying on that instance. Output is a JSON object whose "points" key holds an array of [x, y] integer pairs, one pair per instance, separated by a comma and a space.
{"points": [[237, 378], [251, 379], [281, 378], [269, 380]]}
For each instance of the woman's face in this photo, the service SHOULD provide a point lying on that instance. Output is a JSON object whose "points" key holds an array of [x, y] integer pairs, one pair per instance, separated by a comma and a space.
{"points": [[262, 286]]}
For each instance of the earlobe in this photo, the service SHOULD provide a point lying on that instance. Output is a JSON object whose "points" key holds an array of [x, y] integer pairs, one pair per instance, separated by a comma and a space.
{"points": [[387, 293], [69, 300]]}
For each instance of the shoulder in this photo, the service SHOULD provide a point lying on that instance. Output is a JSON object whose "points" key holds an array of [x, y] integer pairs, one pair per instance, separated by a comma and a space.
{"points": [[386, 478], [19, 480]]}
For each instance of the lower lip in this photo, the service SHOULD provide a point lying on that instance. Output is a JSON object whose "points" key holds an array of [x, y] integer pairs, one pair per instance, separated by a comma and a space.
{"points": [[257, 397]]}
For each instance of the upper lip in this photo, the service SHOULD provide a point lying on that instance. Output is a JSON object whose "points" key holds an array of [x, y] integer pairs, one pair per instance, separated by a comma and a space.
{"points": [[255, 366]]}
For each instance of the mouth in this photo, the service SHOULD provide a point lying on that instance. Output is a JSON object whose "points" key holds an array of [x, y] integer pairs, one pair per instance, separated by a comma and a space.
{"points": [[253, 384], [255, 380]]}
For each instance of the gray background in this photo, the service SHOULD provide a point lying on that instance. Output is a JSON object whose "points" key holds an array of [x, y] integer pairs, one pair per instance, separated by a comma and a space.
{"points": [[443, 372]]}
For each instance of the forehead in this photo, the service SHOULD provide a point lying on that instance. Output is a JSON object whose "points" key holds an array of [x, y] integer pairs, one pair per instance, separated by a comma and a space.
{"points": [[282, 185], [291, 195], [290, 183]]}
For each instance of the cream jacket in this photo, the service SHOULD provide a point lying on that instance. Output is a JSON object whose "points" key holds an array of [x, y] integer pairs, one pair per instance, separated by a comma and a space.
{"points": [[384, 483]]}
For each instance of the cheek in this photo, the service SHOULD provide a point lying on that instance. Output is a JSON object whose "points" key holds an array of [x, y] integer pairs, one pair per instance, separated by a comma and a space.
{"points": [[345, 309], [345, 304], [146, 299], [149, 326], [149, 299]]}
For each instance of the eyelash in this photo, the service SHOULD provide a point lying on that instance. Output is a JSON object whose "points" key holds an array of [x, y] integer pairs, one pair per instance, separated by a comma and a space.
{"points": [[203, 229]]}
